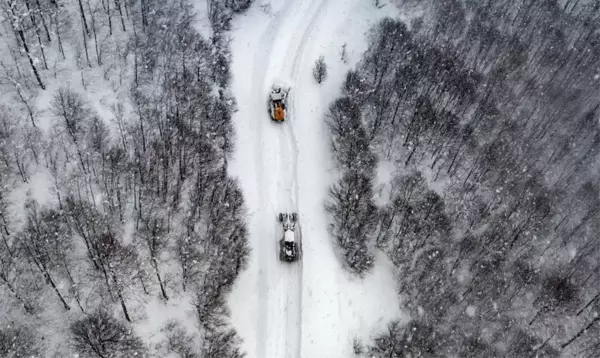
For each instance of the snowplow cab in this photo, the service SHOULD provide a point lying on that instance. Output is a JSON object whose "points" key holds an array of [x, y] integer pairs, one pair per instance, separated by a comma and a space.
{"points": [[289, 248], [277, 103]]}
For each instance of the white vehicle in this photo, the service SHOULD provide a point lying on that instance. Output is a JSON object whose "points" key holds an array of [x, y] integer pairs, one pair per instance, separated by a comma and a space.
{"points": [[290, 245], [278, 103]]}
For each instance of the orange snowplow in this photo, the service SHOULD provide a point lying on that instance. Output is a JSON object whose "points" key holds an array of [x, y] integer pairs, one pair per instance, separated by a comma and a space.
{"points": [[277, 104]]}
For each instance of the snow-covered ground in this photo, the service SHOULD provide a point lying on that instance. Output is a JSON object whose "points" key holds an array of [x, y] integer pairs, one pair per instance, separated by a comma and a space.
{"points": [[310, 308]]}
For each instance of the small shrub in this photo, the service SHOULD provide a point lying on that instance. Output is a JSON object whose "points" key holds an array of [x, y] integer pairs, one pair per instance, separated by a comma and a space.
{"points": [[320, 70]]}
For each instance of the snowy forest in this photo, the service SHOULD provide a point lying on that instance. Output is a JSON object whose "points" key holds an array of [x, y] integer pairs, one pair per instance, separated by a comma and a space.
{"points": [[102, 213], [487, 113]]}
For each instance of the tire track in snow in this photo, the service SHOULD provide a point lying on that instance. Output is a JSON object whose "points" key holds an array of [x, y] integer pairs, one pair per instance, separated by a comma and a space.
{"points": [[294, 329], [260, 65], [295, 75], [318, 9]]}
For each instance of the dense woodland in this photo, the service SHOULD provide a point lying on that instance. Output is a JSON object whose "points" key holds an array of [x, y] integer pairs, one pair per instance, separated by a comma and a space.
{"points": [[489, 113], [129, 191]]}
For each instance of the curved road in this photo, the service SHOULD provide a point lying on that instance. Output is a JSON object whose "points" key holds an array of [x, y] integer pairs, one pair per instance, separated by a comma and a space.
{"points": [[277, 58], [308, 308]]}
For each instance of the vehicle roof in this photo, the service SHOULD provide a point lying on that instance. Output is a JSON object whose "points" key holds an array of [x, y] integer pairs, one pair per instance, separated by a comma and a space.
{"points": [[288, 236]]}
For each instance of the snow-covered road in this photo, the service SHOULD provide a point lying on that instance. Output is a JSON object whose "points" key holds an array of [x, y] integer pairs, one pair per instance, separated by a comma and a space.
{"points": [[309, 308]]}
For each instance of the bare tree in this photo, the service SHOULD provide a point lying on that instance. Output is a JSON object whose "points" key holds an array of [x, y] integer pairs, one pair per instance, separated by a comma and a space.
{"points": [[413, 339], [101, 335], [18, 17], [351, 207], [223, 343], [350, 142], [357, 346], [41, 245], [119, 265], [17, 341], [344, 54], [320, 70], [557, 293], [154, 233], [179, 341], [14, 278], [74, 114]]}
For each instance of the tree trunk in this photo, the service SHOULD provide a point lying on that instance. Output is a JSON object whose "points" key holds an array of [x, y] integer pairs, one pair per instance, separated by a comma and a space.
{"points": [[412, 152], [184, 274], [85, 46], [37, 33], [121, 299], [454, 159], [123, 306], [51, 282], [580, 333], [4, 226], [60, 45], [143, 11], [33, 68], [26, 306], [537, 315], [126, 6], [107, 281], [21, 169], [37, 2], [110, 29], [118, 6], [160, 282], [98, 56], [73, 285], [83, 20], [143, 284], [26, 104], [589, 303]]}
